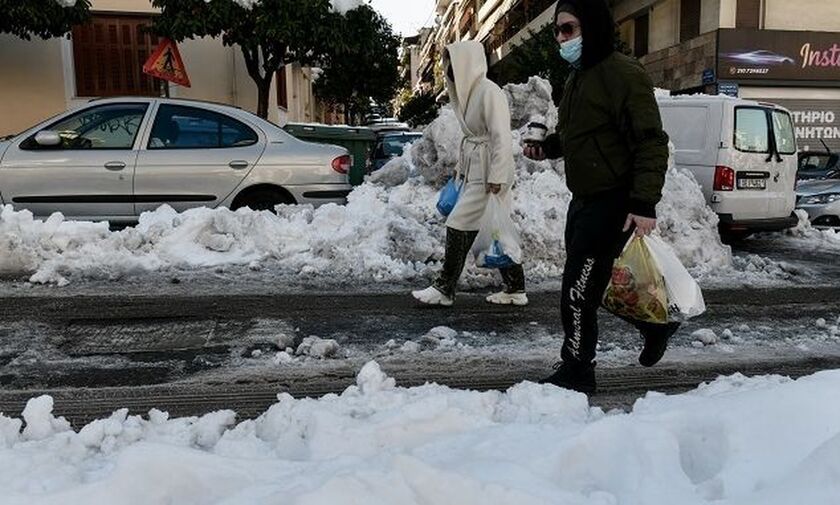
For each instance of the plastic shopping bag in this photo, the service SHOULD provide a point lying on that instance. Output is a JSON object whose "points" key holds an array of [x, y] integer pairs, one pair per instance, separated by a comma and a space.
{"points": [[685, 299], [497, 243], [449, 196], [637, 289]]}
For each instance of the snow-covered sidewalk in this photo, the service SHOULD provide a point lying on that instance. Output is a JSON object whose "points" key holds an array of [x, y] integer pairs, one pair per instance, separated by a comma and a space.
{"points": [[765, 440]]}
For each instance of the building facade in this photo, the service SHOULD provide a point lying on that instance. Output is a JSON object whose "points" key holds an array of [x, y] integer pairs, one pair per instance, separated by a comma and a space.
{"points": [[499, 25], [104, 58], [769, 50]]}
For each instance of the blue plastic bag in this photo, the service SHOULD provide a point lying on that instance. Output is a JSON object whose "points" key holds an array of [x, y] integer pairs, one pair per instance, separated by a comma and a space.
{"points": [[495, 256], [449, 196]]}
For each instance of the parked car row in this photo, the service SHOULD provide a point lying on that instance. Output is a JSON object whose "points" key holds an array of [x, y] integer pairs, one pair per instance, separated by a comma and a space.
{"points": [[116, 158]]}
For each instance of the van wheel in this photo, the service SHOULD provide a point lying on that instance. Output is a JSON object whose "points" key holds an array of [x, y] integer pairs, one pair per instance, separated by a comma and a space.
{"points": [[730, 237], [262, 199]]}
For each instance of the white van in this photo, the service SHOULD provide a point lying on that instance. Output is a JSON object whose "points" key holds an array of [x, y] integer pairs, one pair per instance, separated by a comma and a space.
{"points": [[743, 154]]}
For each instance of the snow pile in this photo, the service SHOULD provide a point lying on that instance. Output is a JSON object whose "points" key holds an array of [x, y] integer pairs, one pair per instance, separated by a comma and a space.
{"points": [[439, 337], [705, 336], [806, 234], [541, 196], [388, 232], [736, 441], [317, 347]]}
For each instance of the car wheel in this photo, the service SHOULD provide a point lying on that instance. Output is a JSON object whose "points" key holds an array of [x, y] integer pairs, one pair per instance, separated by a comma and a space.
{"points": [[262, 199]]}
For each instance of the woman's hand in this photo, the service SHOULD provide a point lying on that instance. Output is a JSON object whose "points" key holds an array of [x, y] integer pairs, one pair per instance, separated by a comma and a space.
{"points": [[494, 188]]}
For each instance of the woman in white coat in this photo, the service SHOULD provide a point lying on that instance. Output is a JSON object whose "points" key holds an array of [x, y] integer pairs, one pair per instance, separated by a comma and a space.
{"points": [[487, 163]]}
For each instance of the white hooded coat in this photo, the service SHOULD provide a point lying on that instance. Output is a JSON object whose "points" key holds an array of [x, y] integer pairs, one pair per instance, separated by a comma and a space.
{"points": [[484, 115]]}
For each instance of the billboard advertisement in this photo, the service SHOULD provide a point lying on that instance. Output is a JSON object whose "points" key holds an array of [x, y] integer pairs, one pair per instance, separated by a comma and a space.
{"points": [[778, 55]]}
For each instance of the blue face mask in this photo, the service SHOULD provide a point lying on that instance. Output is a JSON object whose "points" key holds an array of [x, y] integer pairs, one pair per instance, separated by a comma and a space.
{"points": [[571, 50]]}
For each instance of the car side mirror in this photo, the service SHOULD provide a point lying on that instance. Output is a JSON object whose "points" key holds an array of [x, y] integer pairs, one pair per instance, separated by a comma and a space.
{"points": [[47, 138]]}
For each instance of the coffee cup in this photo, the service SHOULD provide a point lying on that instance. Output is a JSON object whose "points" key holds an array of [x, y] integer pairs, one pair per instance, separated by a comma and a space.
{"points": [[535, 133]]}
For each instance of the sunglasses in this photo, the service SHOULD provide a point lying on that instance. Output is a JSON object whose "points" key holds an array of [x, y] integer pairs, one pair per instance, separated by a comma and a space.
{"points": [[566, 29]]}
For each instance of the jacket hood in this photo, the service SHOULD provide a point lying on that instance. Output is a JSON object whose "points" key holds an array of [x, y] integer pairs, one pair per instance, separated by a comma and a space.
{"points": [[598, 27], [469, 66]]}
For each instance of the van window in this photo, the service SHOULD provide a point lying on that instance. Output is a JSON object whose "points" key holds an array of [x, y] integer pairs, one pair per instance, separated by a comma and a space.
{"points": [[783, 131], [686, 126], [752, 133]]}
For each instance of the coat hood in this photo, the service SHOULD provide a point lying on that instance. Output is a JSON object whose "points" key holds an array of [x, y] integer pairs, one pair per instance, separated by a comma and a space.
{"points": [[469, 66], [597, 25]]}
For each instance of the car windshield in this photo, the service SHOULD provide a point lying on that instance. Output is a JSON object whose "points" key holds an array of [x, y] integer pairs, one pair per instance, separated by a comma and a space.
{"points": [[814, 162], [394, 146]]}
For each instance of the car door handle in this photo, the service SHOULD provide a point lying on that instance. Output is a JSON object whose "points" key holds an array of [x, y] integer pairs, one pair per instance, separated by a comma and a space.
{"points": [[238, 164], [115, 165]]}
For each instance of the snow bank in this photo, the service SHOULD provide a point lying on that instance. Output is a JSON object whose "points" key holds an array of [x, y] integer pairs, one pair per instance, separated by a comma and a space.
{"points": [[806, 235], [388, 232], [738, 441]]}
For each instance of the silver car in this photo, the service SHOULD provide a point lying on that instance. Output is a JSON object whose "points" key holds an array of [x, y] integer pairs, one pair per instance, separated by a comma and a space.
{"points": [[116, 158], [821, 200]]}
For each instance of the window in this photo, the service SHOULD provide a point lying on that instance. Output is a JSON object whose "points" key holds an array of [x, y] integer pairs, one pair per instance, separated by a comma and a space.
{"points": [[751, 130], [689, 19], [815, 162], [641, 34], [748, 14], [108, 57], [179, 127], [783, 133], [112, 126], [394, 146], [686, 126]]}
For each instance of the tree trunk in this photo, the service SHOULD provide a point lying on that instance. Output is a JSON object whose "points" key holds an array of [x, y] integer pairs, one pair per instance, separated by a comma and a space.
{"points": [[263, 92], [260, 78], [350, 115]]}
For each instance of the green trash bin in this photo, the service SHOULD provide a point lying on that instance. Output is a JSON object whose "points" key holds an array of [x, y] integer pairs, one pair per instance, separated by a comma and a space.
{"points": [[356, 139]]}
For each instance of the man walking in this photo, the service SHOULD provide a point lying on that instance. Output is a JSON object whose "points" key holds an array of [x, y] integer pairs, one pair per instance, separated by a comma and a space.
{"points": [[616, 154]]}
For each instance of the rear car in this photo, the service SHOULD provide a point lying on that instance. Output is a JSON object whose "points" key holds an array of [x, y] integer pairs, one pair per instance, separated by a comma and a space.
{"points": [[389, 145], [821, 200], [743, 153], [113, 159], [818, 165]]}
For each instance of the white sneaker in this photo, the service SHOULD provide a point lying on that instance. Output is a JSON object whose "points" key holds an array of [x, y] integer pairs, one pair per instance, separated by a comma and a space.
{"points": [[431, 296], [502, 298]]}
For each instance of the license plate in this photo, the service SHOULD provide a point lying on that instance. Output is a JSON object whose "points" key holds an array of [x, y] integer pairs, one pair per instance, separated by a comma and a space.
{"points": [[752, 183]]}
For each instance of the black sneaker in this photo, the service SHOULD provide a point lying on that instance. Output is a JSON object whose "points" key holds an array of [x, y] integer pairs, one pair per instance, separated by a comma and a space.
{"points": [[576, 377], [656, 341]]}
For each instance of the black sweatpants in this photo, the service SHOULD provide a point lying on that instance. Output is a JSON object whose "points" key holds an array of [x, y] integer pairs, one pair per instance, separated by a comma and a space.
{"points": [[594, 239]]}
